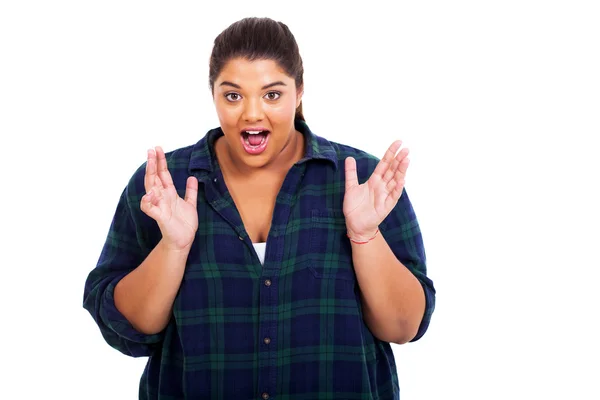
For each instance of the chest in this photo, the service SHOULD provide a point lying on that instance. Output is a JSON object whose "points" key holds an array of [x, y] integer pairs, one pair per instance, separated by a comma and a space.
{"points": [[255, 203]]}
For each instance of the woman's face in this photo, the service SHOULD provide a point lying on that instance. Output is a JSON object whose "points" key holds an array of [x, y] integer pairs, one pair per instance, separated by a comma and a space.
{"points": [[256, 103]]}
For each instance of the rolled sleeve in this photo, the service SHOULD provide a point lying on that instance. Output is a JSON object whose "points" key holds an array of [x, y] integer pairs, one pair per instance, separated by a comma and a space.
{"points": [[135, 342], [403, 235], [123, 251]]}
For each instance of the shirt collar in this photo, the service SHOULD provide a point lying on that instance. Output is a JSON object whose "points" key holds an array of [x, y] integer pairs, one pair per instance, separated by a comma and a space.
{"points": [[317, 148]]}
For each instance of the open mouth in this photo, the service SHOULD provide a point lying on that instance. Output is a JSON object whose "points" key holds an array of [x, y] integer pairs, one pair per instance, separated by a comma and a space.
{"points": [[255, 141], [255, 138]]}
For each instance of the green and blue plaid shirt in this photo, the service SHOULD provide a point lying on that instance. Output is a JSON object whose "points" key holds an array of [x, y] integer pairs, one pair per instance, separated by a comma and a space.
{"points": [[291, 329]]}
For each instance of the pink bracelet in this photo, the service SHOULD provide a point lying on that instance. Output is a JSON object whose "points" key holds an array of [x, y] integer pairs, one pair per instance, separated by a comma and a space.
{"points": [[357, 242]]}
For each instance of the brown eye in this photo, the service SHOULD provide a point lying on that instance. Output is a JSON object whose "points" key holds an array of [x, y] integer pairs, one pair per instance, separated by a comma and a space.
{"points": [[273, 95], [232, 96]]}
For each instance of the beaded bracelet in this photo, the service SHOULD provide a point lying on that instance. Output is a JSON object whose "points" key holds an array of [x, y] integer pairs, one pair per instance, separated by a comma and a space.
{"points": [[357, 242]]}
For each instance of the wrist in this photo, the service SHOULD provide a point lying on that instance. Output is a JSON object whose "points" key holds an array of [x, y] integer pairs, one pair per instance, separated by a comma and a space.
{"points": [[175, 249], [362, 237]]}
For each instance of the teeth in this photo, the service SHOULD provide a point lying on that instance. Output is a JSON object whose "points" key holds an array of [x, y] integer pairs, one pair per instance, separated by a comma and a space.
{"points": [[253, 132]]}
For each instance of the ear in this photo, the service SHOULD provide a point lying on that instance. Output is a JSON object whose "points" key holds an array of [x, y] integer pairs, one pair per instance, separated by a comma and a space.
{"points": [[299, 94]]}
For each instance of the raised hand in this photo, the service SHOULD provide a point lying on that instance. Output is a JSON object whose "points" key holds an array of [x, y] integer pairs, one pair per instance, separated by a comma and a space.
{"points": [[177, 218], [367, 205]]}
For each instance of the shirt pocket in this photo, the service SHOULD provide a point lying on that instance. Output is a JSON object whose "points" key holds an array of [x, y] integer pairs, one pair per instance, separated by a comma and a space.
{"points": [[330, 249]]}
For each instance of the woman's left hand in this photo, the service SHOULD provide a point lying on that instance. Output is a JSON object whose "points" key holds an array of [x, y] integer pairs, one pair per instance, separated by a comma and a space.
{"points": [[367, 205]]}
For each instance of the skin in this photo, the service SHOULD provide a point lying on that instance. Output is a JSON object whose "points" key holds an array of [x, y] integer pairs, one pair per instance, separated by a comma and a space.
{"points": [[257, 93], [393, 299]]}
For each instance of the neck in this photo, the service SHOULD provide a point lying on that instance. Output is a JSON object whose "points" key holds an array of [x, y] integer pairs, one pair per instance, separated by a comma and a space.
{"points": [[291, 153]]}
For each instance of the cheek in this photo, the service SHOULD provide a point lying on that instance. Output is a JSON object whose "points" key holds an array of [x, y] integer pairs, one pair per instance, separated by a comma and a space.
{"points": [[283, 110], [226, 112]]}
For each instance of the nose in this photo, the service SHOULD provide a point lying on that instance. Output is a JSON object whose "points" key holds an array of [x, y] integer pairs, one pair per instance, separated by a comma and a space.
{"points": [[253, 110]]}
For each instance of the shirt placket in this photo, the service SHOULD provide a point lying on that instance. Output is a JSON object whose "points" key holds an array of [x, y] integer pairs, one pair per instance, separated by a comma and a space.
{"points": [[269, 272]]}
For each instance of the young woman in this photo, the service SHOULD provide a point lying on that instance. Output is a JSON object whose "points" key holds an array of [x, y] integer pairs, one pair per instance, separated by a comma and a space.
{"points": [[263, 261]]}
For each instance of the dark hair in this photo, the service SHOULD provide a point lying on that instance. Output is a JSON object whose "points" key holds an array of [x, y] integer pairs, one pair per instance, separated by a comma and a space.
{"points": [[258, 39]]}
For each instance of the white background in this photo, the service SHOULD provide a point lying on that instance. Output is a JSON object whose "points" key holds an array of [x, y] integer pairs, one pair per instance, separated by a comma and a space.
{"points": [[499, 103]]}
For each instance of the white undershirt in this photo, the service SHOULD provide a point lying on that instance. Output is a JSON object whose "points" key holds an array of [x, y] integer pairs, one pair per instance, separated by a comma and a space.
{"points": [[260, 251]]}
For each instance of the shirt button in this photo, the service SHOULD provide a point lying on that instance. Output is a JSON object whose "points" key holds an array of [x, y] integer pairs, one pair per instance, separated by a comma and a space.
{"points": [[268, 282], [267, 340], [241, 238], [265, 396], [215, 180]]}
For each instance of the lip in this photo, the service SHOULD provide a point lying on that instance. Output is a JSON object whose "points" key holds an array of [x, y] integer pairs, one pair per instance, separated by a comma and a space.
{"points": [[254, 128]]}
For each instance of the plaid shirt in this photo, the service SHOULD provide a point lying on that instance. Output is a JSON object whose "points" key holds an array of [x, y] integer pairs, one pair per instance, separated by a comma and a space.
{"points": [[291, 329]]}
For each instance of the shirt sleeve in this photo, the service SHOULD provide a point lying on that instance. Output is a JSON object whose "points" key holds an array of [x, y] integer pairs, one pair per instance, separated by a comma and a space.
{"points": [[403, 235], [123, 251]]}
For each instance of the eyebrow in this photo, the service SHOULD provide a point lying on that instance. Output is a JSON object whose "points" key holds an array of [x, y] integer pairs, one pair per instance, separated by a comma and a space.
{"points": [[278, 83]]}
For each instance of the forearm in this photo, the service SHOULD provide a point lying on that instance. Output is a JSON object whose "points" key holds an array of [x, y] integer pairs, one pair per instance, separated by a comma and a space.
{"points": [[145, 296], [392, 297]]}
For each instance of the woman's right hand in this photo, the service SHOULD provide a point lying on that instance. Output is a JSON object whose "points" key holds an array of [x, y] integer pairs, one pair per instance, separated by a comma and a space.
{"points": [[177, 218]]}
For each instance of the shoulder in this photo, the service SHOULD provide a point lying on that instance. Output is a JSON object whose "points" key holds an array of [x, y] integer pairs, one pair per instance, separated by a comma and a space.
{"points": [[344, 151], [403, 213], [319, 147], [365, 161]]}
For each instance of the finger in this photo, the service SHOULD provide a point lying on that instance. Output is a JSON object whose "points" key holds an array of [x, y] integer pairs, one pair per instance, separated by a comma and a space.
{"points": [[157, 194], [150, 176], [351, 174], [396, 185], [389, 187], [403, 166], [148, 207], [191, 190], [387, 159], [163, 170], [402, 154], [397, 191], [392, 199], [389, 174]]}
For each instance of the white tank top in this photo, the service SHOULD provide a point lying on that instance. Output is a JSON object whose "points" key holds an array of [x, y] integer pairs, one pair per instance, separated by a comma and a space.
{"points": [[260, 251]]}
